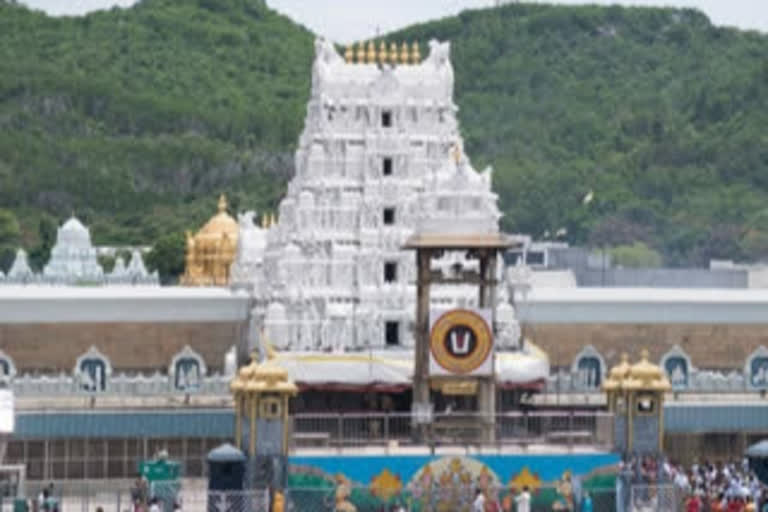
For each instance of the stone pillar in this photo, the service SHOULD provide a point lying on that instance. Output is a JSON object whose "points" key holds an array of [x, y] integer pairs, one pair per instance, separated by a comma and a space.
{"points": [[421, 351], [487, 385]]}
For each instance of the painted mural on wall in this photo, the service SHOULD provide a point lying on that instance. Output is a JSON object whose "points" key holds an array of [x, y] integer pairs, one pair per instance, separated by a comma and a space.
{"points": [[448, 484]]}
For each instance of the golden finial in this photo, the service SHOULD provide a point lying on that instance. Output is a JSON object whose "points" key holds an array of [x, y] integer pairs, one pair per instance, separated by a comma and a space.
{"points": [[415, 53], [383, 53], [393, 53], [222, 203], [644, 354], [360, 53], [370, 56], [404, 55], [264, 221], [349, 54]]}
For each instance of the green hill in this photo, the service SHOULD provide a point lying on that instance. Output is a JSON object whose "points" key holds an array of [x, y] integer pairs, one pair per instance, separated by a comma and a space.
{"points": [[136, 119]]}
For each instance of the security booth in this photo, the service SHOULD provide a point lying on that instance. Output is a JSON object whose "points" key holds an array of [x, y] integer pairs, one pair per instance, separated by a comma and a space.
{"points": [[226, 479], [757, 455], [226, 468]]}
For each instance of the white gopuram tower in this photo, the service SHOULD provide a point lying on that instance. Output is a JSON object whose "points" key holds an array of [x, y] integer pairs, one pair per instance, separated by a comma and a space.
{"points": [[379, 158]]}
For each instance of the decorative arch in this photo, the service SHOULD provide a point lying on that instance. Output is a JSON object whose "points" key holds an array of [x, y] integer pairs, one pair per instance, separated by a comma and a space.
{"points": [[588, 369], [187, 370], [678, 367], [93, 371], [7, 367], [756, 369]]}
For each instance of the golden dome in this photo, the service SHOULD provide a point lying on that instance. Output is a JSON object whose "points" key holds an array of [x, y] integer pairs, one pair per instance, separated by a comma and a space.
{"points": [[620, 370], [643, 375], [237, 385], [220, 224], [645, 370], [264, 377], [211, 251]]}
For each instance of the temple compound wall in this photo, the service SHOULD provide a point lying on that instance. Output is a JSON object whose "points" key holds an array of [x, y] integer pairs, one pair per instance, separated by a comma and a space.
{"points": [[709, 346], [47, 330], [130, 347]]}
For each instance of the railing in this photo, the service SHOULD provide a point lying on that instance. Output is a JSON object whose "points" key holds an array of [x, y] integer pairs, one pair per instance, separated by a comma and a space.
{"points": [[115, 495], [119, 385], [565, 384], [513, 428]]}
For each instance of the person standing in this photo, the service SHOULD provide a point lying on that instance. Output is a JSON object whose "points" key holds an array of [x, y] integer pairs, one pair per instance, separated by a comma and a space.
{"points": [[154, 505], [523, 501], [694, 503], [586, 503], [479, 504]]}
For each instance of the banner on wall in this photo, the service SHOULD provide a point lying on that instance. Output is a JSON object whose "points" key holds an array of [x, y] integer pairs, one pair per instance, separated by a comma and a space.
{"points": [[460, 342]]}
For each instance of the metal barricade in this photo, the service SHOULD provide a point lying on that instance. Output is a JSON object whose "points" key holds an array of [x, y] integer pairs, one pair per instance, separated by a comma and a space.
{"points": [[655, 498], [226, 501]]}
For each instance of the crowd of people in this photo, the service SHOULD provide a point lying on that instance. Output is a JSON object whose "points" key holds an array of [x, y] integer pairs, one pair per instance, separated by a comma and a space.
{"points": [[718, 487]]}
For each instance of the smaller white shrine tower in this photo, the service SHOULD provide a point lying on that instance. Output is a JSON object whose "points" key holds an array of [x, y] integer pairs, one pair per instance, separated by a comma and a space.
{"points": [[73, 257]]}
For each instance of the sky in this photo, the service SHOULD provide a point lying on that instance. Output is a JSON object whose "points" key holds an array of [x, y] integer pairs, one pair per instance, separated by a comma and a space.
{"points": [[349, 20]]}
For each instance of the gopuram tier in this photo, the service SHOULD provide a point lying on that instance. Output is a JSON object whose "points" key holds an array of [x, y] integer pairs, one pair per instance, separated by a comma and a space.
{"points": [[380, 158]]}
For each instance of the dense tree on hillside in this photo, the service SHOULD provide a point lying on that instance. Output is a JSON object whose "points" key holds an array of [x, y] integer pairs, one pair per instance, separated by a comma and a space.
{"points": [[137, 119], [10, 235], [167, 257]]}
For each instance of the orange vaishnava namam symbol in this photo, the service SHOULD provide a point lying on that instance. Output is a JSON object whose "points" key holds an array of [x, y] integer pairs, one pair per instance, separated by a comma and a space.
{"points": [[460, 341]]}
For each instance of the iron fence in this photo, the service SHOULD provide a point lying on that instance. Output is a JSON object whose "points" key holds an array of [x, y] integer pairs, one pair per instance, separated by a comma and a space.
{"points": [[68, 455], [115, 496], [656, 498], [366, 429]]}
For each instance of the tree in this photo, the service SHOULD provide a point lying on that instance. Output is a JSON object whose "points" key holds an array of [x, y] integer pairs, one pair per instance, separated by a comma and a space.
{"points": [[41, 253], [167, 257], [10, 236], [637, 255]]}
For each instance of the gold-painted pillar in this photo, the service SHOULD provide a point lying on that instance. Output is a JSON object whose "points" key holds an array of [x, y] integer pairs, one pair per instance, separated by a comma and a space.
{"points": [[630, 401], [238, 420], [660, 405], [286, 426], [252, 420]]}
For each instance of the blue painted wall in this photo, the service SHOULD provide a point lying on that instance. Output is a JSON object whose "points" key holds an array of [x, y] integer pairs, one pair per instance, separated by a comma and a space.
{"points": [[549, 468]]}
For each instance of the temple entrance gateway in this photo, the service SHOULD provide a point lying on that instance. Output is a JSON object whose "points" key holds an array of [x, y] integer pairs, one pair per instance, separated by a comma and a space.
{"points": [[454, 370]]}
